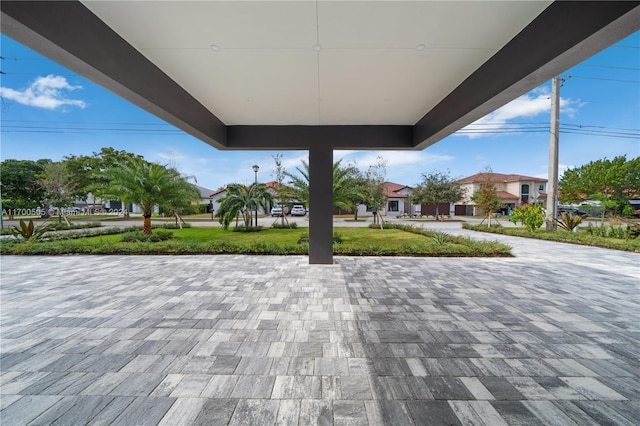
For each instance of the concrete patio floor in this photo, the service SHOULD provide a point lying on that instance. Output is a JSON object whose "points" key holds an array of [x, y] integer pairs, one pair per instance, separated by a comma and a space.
{"points": [[551, 336]]}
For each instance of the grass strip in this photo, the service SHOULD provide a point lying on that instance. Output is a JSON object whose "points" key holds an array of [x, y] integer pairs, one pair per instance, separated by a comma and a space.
{"points": [[355, 242], [580, 238]]}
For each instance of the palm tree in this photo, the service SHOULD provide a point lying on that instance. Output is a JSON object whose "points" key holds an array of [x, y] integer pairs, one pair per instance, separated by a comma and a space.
{"points": [[149, 185], [342, 184], [242, 199]]}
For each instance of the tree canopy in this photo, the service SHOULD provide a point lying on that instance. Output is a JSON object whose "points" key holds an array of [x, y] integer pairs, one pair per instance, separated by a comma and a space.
{"points": [[437, 188], [616, 180], [19, 182]]}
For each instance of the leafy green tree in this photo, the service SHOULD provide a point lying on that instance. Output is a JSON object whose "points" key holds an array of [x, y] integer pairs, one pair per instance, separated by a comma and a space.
{"points": [[55, 182], [437, 188], [486, 198], [148, 185], [19, 182], [355, 190], [242, 199], [81, 170], [617, 180], [87, 174]]}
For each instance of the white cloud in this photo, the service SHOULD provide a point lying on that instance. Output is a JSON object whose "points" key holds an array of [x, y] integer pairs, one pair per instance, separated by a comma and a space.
{"points": [[530, 105], [45, 92], [400, 158]]}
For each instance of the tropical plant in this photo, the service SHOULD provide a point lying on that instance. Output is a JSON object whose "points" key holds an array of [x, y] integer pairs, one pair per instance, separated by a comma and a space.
{"points": [[30, 232], [343, 188], [530, 215], [440, 238], [242, 200], [149, 185], [569, 221]]}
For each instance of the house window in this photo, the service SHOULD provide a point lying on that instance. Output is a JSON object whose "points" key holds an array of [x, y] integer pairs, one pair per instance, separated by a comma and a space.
{"points": [[393, 206], [524, 193], [371, 209], [541, 187]]}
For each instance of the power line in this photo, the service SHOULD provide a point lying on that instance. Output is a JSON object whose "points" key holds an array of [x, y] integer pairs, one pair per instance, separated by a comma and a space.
{"points": [[611, 67], [605, 79]]}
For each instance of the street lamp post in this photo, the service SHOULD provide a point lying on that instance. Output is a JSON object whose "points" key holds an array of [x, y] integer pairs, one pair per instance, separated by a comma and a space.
{"points": [[255, 171]]}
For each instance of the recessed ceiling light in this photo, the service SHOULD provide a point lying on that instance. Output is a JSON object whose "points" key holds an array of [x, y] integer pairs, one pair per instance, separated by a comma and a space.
{"points": [[249, 99], [420, 47], [387, 99], [317, 47], [319, 99], [215, 47]]}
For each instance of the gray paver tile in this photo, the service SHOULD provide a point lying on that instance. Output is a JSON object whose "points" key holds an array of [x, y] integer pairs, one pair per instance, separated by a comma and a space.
{"points": [[216, 412], [27, 408], [145, 411], [195, 340], [316, 412], [253, 387], [184, 411], [255, 411]]}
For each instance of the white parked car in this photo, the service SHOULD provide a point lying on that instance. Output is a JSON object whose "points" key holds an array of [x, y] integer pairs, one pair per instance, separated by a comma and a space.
{"points": [[298, 210], [277, 211]]}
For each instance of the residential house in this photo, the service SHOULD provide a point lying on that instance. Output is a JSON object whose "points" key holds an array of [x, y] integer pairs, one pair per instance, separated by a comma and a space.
{"points": [[399, 201], [513, 190]]}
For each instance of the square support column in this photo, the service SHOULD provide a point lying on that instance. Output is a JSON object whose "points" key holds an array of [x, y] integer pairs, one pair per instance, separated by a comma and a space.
{"points": [[321, 205]]}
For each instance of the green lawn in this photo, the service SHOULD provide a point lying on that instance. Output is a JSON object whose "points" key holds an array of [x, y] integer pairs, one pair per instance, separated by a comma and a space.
{"points": [[194, 240]]}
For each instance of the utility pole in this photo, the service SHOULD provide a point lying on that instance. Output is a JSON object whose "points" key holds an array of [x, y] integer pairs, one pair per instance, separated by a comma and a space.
{"points": [[552, 184]]}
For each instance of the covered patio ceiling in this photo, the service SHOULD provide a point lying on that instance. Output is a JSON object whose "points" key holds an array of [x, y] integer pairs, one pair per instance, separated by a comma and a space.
{"points": [[306, 74]]}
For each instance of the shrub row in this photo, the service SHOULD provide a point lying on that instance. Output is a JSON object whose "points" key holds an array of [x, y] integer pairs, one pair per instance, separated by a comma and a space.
{"points": [[581, 238]]}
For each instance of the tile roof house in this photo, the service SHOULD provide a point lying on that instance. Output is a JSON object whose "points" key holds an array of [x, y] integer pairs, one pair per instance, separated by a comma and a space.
{"points": [[513, 190], [398, 201]]}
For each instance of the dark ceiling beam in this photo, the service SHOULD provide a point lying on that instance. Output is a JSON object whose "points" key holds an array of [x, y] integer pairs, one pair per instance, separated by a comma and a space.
{"points": [[308, 137], [71, 35], [563, 35]]}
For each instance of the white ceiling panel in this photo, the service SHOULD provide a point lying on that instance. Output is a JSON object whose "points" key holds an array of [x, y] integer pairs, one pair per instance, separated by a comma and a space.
{"points": [[366, 68], [391, 86], [193, 24], [279, 87], [401, 24]]}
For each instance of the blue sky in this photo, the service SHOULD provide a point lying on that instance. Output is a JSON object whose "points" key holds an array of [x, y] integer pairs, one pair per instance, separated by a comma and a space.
{"points": [[49, 112]]}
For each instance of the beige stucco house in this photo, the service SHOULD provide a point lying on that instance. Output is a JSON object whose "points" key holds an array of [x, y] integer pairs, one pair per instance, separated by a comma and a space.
{"points": [[513, 190]]}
